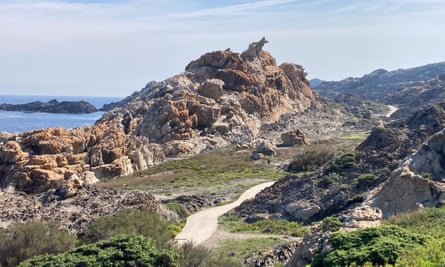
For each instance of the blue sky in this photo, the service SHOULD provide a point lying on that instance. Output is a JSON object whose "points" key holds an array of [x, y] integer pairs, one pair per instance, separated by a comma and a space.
{"points": [[113, 48]]}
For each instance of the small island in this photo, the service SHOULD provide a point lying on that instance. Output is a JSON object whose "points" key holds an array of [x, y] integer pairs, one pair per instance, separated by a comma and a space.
{"points": [[52, 106]]}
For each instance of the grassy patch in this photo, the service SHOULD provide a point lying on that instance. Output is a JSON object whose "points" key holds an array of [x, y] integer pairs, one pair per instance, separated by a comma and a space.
{"points": [[206, 170], [354, 136], [272, 227], [424, 221]]}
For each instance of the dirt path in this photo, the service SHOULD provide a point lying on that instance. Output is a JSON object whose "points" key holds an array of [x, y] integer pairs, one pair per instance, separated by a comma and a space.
{"points": [[392, 109], [201, 225]]}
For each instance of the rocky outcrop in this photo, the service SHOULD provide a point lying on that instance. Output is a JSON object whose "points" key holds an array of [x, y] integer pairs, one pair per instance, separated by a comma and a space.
{"points": [[419, 181], [222, 97], [64, 159], [294, 138], [74, 213], [271, 257], [52, 106]]}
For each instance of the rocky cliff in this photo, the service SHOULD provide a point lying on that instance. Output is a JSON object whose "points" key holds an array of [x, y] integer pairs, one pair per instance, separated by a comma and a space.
{"points": [[52, 106], [222, 97]]}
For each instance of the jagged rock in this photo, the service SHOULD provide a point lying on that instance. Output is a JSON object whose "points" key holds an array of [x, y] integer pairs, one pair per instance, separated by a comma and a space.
{"points": [[406, 191], [294, 138], [430, 157], [75, 210], [266, 147], [254, 49], [270, 257], [212, 89]]}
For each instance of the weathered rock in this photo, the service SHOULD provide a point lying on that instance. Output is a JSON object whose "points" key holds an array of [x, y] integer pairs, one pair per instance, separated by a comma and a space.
{"points": [[212, 88], [271, 257], [294, 138], [406, 191], [431, 157], [75, 210], [265, 147]]}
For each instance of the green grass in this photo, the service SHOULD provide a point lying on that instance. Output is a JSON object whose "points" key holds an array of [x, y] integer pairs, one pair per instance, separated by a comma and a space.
{"points": [[271, 227], [354, 136], [213, 169], [424, 221]]}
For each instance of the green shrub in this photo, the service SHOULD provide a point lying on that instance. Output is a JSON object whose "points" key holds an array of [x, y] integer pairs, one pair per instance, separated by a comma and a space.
{"points": [[122, 250], [277, 227], [377, 245], [23, 241], [364, 180], [342, 163], [310, 160], [327, 180], [178, 209], [130, 221], [331, 224]]}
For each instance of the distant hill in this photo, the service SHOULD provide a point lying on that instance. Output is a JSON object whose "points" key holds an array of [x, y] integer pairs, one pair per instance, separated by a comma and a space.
{"points": [[409, 89], [377, 84], [52, 106]]}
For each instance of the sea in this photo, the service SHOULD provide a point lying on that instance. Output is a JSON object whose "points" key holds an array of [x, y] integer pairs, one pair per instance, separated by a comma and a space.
{"points": [[14, 122]]}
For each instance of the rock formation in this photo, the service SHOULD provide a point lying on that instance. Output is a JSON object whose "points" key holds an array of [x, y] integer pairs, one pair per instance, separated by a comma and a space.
{"points": [[74, 213], [52, 106], [419, 181], [222, 97]]}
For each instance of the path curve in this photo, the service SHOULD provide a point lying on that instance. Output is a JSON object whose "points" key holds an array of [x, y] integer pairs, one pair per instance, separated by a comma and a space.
{"points": [[201, 225], [392, 109]]}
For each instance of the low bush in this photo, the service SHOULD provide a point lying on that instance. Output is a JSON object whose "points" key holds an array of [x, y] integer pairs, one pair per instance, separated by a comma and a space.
{"points": [[331, 224], [342, 163], [310, 160], [377, 245], [130, 221], [277, 227], [23, 241], [122, 250]]}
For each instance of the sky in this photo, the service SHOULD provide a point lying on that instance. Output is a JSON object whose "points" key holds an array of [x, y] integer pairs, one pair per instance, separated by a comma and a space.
{"points": [[113, 48]]}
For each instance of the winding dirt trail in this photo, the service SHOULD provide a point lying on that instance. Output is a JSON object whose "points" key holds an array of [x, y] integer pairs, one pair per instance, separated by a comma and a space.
{"points": [[392, 109], [201, 225]]}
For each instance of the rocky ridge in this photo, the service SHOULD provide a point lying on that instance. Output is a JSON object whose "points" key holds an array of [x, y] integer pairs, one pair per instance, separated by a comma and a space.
{"points": [[222, 97], [52, 106], [345, 182], [408, 89]]}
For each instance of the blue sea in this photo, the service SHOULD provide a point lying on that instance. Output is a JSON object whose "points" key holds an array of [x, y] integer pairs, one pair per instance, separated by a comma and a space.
{"points": [[13, 122]]}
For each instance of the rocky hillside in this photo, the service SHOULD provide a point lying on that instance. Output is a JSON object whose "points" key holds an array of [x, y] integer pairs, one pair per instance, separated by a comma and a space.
{"points": [[52, 106], [222, 98], [344, 183], [409, 89]]}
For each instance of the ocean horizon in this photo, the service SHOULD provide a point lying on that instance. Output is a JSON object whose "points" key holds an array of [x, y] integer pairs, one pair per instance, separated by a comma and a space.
{"points": [[15, 122]]}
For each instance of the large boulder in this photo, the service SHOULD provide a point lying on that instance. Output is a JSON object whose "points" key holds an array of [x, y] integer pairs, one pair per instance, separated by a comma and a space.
{"points": [[294, 138]]}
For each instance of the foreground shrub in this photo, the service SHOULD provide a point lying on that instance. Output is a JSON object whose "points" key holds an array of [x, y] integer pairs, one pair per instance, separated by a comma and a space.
{"points": [[377, 245], [22, 241], [130, 221], [191, 256], [122, 250]]}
